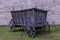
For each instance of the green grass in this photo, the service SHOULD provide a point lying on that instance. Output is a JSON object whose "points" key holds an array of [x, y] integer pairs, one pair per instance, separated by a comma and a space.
{"points": [[5, 34]]}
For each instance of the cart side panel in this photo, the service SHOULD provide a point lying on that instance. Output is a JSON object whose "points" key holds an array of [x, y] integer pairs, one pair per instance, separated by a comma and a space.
{"points": [[40, 17], [31, 17]]}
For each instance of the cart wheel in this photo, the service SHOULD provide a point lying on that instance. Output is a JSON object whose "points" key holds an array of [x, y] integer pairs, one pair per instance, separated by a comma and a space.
{"points": [[12, 29], [32, 33], [25, 30]]}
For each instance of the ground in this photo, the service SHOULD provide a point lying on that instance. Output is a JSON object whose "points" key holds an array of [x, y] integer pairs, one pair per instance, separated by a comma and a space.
{"points": [[5, 34]]}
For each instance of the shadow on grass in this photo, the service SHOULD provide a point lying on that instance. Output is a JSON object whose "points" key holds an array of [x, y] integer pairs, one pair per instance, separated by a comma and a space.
{"points": [[21, 30], [45, 34]]}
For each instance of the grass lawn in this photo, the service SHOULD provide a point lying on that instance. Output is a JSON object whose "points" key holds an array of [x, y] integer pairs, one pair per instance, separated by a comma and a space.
{"points": [[5, 34]]}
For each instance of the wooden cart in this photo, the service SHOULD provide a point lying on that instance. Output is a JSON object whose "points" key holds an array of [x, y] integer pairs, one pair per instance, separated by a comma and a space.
{"points": [[30, 19]]}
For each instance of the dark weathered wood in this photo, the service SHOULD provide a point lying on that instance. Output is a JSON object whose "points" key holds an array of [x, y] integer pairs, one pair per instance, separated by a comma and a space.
{"points": [[30, 19], [33, 17]]}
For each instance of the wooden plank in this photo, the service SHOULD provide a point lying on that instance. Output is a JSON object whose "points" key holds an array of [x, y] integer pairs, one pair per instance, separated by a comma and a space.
{"points": [[32, 17], [24, 18], [18, 17], [27, 16], [21, 18]]}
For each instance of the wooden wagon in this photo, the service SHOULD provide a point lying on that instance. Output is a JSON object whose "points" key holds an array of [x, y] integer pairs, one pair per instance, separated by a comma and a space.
{"points": [[30, 19]]}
